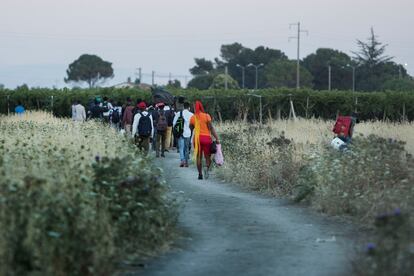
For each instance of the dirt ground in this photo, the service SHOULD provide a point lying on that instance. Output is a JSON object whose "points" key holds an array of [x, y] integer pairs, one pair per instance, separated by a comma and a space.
{"points": [[227, 231]]}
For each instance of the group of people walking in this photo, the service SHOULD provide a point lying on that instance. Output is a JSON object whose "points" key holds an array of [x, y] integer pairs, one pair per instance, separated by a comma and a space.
{"points": [[158, 127]]}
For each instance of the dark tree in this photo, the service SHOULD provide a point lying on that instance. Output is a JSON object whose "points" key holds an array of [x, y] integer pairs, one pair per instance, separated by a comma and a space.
{"points": [[90, 69], [202, 67], [282, 73], [371, 53], [318, 63], [201, 82]]}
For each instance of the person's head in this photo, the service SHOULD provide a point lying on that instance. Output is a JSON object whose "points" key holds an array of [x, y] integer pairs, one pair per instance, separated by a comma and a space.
{"points": [[198, 107], [139, 100], [118, 103], [181, 99], [187, 105], [142, 106], [129, 101], [160, 106], [78, 102], [19, 103], [105, 99], [96, 102]]}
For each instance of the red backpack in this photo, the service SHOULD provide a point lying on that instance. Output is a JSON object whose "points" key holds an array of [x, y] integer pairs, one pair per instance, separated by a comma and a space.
{"points": [[342, 126]]}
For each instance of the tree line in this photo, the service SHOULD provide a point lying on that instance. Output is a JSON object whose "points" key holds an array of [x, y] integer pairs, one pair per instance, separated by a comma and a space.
{"points": [[369, 69]]}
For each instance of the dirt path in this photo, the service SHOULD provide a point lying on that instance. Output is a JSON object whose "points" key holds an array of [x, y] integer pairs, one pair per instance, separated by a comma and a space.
{"points": [[231, 232]]}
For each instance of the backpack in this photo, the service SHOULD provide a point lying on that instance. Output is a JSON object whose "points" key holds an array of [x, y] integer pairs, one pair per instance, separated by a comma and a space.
{"points": [[144, 125], [116, 117], [162, 123], [343, 126], [178, 128]]}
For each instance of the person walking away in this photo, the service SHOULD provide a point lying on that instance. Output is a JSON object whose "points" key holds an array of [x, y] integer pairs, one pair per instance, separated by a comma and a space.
{"points": [[108, 106], [128, 117], [183, 132], [79, 113], [203, 128], [169, 112], [73, 110], [19, 109], [143, 128], [160, 125], [115, 116], [96, 112]]}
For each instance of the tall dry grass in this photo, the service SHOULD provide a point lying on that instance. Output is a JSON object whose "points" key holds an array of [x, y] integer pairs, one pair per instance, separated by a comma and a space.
{"points": [[371, 181]]}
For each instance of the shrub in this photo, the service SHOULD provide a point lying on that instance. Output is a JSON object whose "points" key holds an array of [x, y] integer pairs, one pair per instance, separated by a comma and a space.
{"points": [[75, 198]]}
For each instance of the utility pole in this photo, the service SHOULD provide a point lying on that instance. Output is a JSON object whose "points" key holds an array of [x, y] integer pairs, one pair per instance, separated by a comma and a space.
{"points": [[298, 51], [169, 78], [329, 77], [153, 78], [226, 72], [140, 74]]}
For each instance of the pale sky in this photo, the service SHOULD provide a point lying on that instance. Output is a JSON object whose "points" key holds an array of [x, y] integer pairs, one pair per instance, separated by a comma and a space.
{"points": [[39, 38]]}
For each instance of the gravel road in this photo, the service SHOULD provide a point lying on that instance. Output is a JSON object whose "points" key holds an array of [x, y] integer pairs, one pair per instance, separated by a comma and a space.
{"points": [[227, 231]]}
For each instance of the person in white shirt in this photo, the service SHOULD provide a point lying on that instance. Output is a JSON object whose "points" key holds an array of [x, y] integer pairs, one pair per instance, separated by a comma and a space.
{"points": [[78, 112], [185, 139], [143, 128]]}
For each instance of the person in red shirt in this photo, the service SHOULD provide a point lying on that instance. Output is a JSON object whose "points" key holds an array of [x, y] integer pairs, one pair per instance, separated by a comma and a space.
{"points": [[203, 129]]}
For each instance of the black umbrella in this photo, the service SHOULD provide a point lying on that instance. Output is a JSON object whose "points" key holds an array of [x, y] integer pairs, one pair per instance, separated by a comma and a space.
{"points": [[160, 95]]}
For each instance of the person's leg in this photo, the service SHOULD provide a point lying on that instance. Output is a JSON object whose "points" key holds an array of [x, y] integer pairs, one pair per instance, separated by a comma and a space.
{"points": [[168, 138], [205, 145], [199, 168], [182, 149], [163, 138], [186, 150], [145, 144], [158, 144], [154, 141]]}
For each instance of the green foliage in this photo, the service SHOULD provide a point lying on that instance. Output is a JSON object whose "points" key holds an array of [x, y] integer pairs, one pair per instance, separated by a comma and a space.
{"points": [[90, 69], [73, 201], [201, 82], [220, 80], [174, 84], [229, 104], [373, 176], [406, 84], [283, 74], [390, 250]]}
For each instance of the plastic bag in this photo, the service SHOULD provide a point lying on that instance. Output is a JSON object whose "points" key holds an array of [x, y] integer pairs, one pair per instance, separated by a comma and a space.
{"points": [[219, 158]]}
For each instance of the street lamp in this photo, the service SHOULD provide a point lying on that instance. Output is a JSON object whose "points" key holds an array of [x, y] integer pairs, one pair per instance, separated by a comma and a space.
{"points": [[353, 75], [400, 71], [257, 71], [243, 69]]}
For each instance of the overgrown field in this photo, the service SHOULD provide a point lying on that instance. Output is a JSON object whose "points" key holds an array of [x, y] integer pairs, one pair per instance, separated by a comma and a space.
{"points": [[372, 181], [233, 104], [75, 199]]}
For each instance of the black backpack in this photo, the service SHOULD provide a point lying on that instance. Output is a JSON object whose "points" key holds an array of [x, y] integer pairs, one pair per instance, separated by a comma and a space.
{"points": [[178, 128], [144, 125], [116, 117]]}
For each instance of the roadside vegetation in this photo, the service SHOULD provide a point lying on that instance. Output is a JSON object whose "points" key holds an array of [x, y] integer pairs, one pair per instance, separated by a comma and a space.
{"points": [[76, 199], [372, 181]]}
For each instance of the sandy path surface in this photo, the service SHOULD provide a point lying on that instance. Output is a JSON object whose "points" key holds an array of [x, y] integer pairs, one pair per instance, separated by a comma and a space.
{"points": [[227, 231]]}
